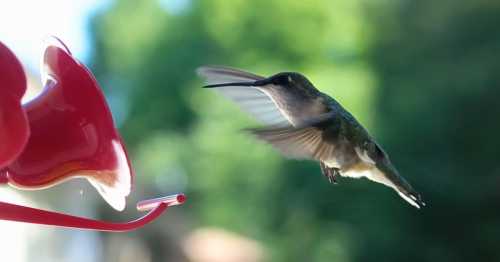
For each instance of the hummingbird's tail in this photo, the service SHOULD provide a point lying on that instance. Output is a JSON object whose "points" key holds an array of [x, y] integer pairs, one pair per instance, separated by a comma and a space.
{"points": [[387, 175], [413, 198], [405, 190]]}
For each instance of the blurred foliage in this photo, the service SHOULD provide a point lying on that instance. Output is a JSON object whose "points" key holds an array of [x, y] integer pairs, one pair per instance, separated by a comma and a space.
{"points": [[421, 75]]}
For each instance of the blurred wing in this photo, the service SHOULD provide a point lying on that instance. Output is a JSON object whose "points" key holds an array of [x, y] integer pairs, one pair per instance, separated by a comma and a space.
{"points": [[301, 143], [250, 99]]}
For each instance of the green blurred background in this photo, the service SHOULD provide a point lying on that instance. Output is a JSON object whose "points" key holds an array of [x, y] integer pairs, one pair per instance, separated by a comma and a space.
{"points": [[422, 76]]}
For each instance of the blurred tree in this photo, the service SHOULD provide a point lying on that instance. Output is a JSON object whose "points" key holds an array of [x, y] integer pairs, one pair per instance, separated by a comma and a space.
{"points": [[420, 75], [438, 84]]}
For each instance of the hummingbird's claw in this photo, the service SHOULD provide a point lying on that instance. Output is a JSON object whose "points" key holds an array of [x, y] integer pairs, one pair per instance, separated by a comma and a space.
{"points": [[332, 180], [333, 174]]}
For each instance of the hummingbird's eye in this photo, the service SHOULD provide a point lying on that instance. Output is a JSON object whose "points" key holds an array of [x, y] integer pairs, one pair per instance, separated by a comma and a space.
{"points": [[281, 80]]}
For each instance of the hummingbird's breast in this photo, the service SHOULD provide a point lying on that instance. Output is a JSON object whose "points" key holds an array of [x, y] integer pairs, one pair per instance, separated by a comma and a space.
{"points": [[297, 105], [343, 155]]}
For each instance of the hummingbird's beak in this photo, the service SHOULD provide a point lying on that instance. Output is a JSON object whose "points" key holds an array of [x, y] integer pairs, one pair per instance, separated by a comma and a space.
{"points": [[252, 83]]}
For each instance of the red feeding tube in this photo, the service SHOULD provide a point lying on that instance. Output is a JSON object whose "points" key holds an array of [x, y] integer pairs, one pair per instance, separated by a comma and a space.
{"points": [[19, 213]]}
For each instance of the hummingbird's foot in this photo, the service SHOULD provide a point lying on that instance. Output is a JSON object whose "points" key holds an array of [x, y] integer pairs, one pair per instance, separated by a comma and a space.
{"points": [[333, 175], [330, 172]]}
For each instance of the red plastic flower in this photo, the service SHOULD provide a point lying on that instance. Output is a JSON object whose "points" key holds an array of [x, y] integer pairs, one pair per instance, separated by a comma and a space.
{"points": [[72, 134], [14, 129]]}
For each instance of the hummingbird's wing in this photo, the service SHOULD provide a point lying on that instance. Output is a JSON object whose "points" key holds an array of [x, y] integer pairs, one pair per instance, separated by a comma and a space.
{"points": [[306, 142], [249, 98]]}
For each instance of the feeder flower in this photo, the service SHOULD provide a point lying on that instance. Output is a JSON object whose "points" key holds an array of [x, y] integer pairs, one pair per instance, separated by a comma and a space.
{"points": [[65, 132]]}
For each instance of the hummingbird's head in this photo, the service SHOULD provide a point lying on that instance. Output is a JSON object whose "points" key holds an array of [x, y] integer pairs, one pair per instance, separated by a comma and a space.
{"points": [[289, 80]]}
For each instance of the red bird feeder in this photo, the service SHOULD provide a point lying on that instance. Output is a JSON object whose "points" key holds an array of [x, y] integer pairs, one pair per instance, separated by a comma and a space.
{"points": [[66, 132]]}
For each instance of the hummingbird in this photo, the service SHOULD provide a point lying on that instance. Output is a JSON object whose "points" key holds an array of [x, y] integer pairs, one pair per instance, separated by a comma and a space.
{"points": [[303, 123]]}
